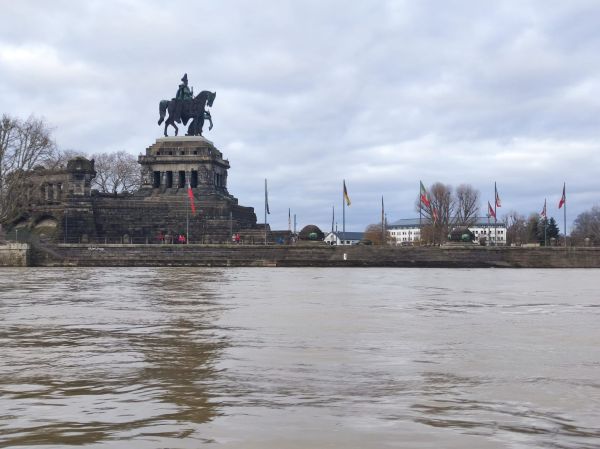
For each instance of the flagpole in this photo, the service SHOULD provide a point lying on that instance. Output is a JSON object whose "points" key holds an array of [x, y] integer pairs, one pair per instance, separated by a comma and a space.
{"points": [[382, 237], [187, 210], [545, 226], [343, 213], [565, 212], [265, 211], [383, 220], [332, 217], [488, 216], [495, 215], [447, 220], [420, 215]]}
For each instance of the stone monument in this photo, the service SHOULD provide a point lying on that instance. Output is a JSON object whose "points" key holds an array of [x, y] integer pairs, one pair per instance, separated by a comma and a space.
{"points": [[183, 191]]}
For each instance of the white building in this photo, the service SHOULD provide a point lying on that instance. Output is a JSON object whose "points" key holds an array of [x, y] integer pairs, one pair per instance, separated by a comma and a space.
{"points": [[406, 231], [343, 238]]}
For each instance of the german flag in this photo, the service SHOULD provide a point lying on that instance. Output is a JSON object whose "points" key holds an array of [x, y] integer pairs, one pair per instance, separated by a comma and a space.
{"points": [[346, 197]]}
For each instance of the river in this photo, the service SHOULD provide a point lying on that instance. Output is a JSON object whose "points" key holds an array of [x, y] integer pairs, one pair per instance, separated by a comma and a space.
{"points": [[299, 358]]}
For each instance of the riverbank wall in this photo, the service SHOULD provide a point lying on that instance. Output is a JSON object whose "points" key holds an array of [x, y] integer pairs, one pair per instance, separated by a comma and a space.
{"points": [[14, 255], [313, 256]]}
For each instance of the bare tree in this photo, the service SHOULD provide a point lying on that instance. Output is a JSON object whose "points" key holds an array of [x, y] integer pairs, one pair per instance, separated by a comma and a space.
{"points": [[438, 215], [443, 209], [116, 172], [61, 157], [374, 234], [23, 146], [587, 226], [467, 205], [516, 228]]}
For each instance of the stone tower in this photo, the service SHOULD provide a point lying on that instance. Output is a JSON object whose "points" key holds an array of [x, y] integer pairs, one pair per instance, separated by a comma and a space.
{"points": [[80, 172]]}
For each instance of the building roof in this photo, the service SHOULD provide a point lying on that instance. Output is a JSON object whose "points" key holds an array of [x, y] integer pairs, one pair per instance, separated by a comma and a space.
{"points": [[407, 223], [348, 235], [414, 223]]}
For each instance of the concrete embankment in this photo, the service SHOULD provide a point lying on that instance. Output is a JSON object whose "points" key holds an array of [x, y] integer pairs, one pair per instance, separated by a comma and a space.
{"points": [[318, 255], [14, 255]]}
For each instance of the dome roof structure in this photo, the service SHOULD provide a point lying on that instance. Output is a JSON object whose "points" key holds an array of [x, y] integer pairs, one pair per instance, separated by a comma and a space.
{"points": [[311, 232]]}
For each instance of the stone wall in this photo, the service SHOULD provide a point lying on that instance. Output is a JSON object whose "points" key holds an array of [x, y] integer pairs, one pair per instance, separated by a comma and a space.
{"points": [[14, 255], [141, 219], [321, 255]]}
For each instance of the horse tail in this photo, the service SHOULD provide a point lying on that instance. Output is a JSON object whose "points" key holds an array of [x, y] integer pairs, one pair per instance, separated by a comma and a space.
{"points": [[162, 109]]}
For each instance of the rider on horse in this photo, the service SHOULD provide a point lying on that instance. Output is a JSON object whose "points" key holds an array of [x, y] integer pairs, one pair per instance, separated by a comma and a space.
{"points": [[185, 107], [183, 93]]}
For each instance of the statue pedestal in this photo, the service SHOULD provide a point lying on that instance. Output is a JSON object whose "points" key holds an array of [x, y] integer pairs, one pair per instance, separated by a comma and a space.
{"points": [[170, 167], [175, 162]]}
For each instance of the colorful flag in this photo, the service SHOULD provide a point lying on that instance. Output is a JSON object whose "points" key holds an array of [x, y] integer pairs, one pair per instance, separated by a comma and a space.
{"points": [[424, 195], [434, 214], [563, 199], [346, 197], [191, 197], [267, 198], [543, 212], [498, 204], [491, 211]]}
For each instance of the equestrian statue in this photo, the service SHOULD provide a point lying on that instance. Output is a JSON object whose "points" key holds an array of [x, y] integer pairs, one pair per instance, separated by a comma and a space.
{"points": [[185, 107]]}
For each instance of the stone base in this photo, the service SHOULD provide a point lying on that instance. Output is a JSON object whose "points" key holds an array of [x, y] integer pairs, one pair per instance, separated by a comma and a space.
{"points": [[161, 206]]}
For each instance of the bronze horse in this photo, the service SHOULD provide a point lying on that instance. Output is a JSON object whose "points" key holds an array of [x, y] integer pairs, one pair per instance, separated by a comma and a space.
{"points": [[193, 109]]}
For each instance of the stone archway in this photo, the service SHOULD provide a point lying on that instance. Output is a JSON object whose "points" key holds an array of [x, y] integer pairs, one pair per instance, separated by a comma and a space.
{"points": [[45, 226]]}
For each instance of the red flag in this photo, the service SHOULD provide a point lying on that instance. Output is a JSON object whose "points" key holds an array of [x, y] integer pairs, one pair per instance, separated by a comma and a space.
{"points": [[543, 213], [424, 196], [563, 199], [491, 211], [498, 204], [191, 196]]}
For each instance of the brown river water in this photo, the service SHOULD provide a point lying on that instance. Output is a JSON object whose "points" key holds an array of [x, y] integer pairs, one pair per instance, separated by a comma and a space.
{"points": [[299, 358]]}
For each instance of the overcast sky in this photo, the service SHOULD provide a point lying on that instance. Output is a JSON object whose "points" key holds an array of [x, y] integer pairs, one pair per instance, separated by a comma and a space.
{"points": [[380, 93]]}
